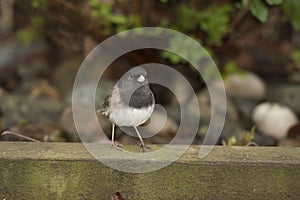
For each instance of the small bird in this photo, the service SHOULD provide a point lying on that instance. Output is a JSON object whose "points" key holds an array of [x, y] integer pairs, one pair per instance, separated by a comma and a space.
{"points": [[130, 103]]}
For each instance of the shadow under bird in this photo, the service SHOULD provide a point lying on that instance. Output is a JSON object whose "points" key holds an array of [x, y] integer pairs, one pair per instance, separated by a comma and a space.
{"points": [[130, 103]]}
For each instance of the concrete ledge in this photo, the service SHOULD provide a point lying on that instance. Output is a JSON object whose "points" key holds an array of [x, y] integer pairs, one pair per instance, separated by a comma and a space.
{"points": [[68, 171]]}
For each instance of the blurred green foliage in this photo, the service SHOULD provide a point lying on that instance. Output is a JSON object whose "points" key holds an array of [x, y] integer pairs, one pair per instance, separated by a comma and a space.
{"points": [[291, 9], [295, 57], [103, 11], [259, 10], [244, 138], [213, 21], [38, 3], [164, 1], [31, 32], [22, 122], [208, 23], [231, 68], [192, 55]]}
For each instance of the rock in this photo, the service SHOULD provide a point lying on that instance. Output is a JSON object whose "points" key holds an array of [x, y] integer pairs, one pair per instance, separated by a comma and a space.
{"points": [[288, 142], [285, 92], [13, 53], [19, 61], [44, 88], [161, 124], [64, 76], [294, 131], [244, 107], [37, 67], [67, 123], [263, 140], [293, 138], [245, 90], [294, 75], [231, 126], [246, 85], [21, 109], [90, 133], [85, 97], [35, 88], [273, 119], [173, 111]]}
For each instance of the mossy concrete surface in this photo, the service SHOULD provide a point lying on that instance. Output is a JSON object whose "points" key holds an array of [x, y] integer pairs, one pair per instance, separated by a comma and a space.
{"points": [[68, 171]]}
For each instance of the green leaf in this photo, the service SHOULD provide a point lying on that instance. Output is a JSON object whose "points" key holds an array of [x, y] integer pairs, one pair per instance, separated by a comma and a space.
{"points": [[291, 9], [232, 68], [274, 2], [295, 55], [245, 3], [259, 10], [38, 3], [215, 22], [118, 19]]}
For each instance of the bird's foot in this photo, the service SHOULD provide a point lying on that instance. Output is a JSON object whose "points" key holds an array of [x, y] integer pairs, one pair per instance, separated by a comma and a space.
{"points": [[116, 145], [143, 147]]}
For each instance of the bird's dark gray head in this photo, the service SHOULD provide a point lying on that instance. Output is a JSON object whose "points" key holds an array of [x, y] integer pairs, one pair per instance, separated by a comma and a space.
{"points": [[134, 88], [133, 79]]}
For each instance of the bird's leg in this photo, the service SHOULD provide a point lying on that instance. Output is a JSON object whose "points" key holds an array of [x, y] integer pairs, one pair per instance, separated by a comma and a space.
{"points": [[141, 139], [116, 145]]}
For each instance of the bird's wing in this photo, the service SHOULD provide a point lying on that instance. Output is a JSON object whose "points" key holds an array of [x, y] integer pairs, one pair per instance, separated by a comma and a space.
{"points": [[105, 107]]}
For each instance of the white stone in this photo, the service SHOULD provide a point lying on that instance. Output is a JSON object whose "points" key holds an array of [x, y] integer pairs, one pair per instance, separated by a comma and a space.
{"points": [[273, 119], [246, 85]]}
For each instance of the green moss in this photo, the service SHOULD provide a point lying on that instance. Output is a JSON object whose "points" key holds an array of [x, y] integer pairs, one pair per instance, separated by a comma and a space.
{"points": [[67, 171]]}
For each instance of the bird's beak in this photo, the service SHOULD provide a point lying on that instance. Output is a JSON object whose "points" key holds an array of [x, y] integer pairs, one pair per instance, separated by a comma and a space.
{"points": [[141, 79]]}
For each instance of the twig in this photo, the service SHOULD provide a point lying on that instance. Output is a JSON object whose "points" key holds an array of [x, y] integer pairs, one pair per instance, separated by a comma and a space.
{"points": [[19, 135], [252, 144]]}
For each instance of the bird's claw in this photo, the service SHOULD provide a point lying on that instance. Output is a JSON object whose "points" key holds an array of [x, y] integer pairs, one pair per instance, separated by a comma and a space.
{"points": [[143, 147], [117, 146]]}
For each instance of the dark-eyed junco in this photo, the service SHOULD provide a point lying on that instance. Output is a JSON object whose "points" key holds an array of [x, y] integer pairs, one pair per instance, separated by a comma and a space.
{"points": [[130, 103]]}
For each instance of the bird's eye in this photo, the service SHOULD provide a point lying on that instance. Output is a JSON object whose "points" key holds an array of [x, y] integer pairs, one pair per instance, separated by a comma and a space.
{"points": [[141, 79]]}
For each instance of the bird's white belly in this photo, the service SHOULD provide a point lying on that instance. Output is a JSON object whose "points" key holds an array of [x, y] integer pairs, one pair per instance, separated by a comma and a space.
{"points": [[131, 116]]}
